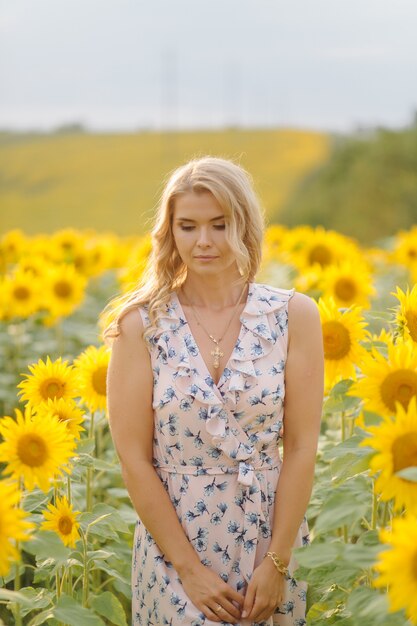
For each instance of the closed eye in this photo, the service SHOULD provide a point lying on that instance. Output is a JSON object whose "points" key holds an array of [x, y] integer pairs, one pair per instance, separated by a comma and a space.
{"points": [[215, 226]]}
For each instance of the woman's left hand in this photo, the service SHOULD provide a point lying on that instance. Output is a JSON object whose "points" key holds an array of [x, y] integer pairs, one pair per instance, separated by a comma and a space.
{"points": [[264, 592]]}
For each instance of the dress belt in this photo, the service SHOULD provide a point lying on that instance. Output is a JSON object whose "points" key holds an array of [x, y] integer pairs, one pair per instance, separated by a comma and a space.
{"points": [[245, 470], [253, 515]]}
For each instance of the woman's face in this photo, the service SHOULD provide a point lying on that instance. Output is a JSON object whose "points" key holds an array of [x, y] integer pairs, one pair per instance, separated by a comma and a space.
{"points": [[199, 229]]}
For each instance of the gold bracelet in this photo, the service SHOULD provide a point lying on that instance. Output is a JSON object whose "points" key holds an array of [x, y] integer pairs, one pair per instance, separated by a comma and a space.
{"points": [[280, 565]]}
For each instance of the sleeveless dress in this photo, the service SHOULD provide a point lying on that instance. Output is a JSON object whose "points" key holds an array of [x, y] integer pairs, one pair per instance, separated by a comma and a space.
{"points": [[216, 452]]}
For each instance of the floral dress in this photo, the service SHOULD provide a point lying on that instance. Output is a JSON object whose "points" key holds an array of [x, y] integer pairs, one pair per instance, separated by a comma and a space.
{"points": [[216, 452]]}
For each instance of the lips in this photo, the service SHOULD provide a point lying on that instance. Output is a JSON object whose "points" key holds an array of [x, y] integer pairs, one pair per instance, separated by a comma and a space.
{"points": [[206, 257]]}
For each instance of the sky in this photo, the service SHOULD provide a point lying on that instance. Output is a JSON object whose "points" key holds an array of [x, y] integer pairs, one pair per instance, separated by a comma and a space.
{"points": [[129, 64]]}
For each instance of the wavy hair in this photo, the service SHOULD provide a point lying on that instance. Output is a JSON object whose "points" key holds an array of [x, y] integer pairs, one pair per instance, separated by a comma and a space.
{"points": [[232, 187]]}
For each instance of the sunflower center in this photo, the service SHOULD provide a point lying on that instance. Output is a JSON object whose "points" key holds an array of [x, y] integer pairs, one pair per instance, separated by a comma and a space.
{"points": [[345, 289], [62, 289], [32, 450], [320, 254], [65, 525], [52, 388], [336, 340], [411, 317], [99, 380], [404, 451], [21, 293], [399, 386]]}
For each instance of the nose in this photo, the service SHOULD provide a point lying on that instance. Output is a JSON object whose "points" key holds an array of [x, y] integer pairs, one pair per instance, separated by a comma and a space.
{"points": [[204, 240]]}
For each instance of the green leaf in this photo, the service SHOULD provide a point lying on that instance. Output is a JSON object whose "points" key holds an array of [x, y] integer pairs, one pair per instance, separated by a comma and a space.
{"points": [[109, 606], [37, 598], [41, 618], [70, 612], [317, 554], [34, 499], [365, 602], [86, 446], [14, 596], [408, 473], [47, 545], [348, 503], [351, 445]]}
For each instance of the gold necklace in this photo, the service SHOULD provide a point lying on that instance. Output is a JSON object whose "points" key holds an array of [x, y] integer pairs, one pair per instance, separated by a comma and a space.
{"points": [[216, 353]]}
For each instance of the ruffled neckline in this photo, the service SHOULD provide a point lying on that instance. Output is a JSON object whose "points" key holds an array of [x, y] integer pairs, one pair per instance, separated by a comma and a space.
{"points": [[257, 336]]}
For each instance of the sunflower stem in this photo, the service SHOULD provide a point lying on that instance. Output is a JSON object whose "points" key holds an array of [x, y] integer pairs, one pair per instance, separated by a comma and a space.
{"points": [[343, 425], [58, 585], [85, 572], [374, 518], [18, 616], [89, 491], [386, 514], [59, 336], [69, 489]]}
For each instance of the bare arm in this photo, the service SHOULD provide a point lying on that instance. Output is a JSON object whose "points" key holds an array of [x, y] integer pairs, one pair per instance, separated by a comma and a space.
{"points": [[129, 389], [304, 373]]}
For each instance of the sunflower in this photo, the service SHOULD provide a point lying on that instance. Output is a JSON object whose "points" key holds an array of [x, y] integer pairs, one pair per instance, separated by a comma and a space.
{"points": [[308, 280], [65, 289], [91, 367], [21, 293], [387, 379], [63, 520], [407, 312], [397, 565], [35, 448], [13, 527], [32, 264], [66, 244], [47, 380], [99, 255], [306, 247], [342, 332], [274, 236], [12, 245], [405, 248], [395, 441], [348, 282], [66, 411], [136, 263]]}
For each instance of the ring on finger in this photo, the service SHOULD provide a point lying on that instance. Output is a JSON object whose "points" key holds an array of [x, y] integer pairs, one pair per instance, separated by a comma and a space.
{"points": [[218, 608]]}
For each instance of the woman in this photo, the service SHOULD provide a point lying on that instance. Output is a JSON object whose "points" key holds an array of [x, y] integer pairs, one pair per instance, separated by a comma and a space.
{"points": [[196, 396]]}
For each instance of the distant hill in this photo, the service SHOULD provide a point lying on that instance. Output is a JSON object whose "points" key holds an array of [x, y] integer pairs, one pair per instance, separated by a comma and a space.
{"points": [[367, 188], [113, 181]]}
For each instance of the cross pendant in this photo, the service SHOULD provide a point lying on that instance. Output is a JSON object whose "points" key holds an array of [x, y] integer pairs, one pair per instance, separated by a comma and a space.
{"points": [[217, 353]]}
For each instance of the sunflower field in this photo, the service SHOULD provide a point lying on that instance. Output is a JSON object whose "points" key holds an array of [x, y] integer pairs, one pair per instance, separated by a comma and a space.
{"points": [[66, 521]]}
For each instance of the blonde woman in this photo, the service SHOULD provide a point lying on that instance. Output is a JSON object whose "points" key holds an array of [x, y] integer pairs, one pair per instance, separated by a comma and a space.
{"points": [[209, 370]]}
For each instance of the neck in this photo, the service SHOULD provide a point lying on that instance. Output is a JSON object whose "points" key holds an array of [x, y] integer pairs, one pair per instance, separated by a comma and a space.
{"points": [[213, 296]]}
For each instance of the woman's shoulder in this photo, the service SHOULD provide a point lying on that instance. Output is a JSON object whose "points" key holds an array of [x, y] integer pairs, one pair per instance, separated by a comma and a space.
{"points": [[132, 324]]}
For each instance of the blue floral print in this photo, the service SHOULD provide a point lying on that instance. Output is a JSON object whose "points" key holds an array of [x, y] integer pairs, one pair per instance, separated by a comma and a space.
{"points": [[216, 451]]}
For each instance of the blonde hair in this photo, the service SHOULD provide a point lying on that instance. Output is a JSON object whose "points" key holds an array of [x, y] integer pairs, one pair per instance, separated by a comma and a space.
{"points": [[232, 187]]}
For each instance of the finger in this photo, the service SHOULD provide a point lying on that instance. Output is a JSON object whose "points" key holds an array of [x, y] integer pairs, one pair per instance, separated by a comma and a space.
{"points": [[229, 608], [265, 614], [232, 594], [259, 607], [249, 600], [208, 612], [223, 614]]}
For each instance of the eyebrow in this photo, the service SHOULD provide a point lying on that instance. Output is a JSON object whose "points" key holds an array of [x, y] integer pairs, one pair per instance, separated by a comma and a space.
{"points": [[187, 219]]}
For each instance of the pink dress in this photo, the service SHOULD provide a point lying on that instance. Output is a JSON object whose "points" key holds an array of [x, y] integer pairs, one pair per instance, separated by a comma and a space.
{"points": [[216, 452]]}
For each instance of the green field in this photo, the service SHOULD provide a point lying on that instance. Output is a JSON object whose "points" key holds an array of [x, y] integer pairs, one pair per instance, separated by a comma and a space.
{"points": [[113, 181]]}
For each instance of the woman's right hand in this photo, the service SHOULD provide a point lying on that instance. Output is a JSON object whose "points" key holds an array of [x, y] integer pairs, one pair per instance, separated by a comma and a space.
{"points": [[207, 590]]}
